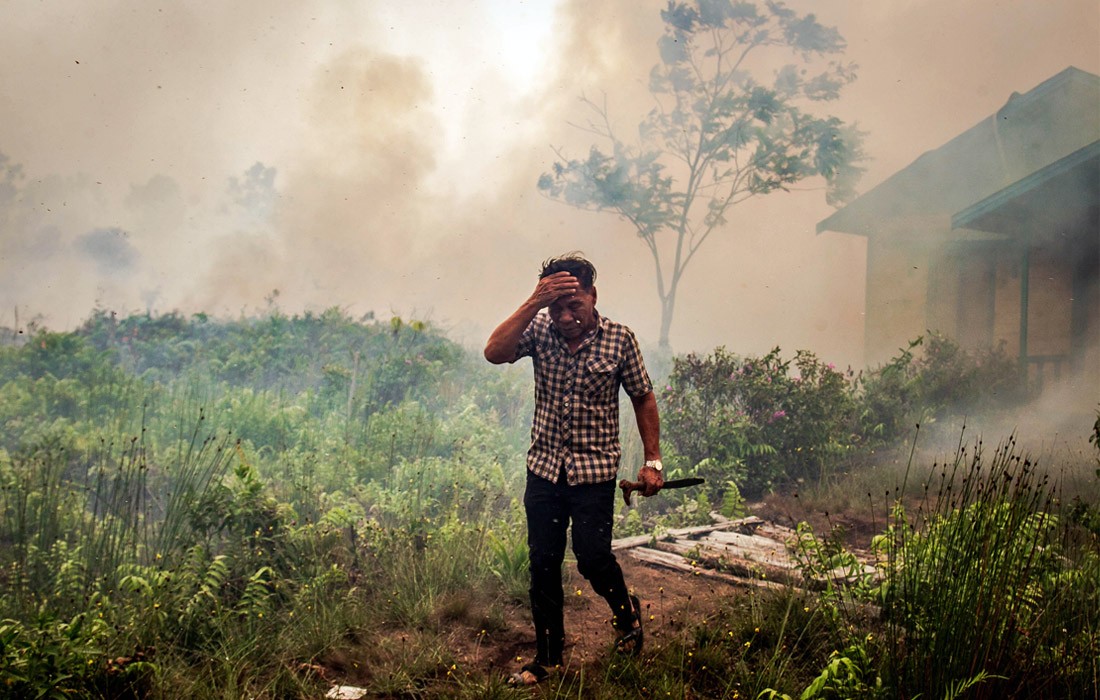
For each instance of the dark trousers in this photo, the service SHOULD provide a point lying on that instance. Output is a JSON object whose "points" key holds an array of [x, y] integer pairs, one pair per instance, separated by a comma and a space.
{"points": [[550, 507]]}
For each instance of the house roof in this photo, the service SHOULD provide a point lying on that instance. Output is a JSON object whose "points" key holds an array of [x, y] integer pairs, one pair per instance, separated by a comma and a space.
{"points": [[1063, 196], [1032, 131]]}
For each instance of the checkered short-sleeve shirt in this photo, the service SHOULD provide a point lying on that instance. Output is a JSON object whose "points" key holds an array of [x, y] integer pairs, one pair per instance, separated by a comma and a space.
{"points": [[576, 422]]}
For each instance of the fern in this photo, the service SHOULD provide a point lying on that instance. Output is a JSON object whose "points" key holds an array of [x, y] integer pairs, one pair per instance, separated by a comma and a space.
{"points": [[256, 600], [206, 597]]}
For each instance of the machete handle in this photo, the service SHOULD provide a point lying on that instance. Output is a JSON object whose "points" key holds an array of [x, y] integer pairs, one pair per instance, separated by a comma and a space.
{"points": [[630, 487]]}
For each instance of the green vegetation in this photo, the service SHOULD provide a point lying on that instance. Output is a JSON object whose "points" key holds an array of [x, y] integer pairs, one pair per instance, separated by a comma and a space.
{"points": [[194, 508], [266, 507]]}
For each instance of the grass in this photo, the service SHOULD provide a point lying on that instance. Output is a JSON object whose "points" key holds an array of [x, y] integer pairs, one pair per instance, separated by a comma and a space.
{"points": [[166, 566], [980, 579]]}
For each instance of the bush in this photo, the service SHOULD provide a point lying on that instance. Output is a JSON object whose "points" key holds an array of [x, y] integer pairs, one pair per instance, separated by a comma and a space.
{"points": [[931, 380], [758, 421]]}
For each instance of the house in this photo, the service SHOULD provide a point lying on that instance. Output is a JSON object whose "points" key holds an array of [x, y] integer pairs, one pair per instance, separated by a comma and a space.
{"points": [[993, 238]]}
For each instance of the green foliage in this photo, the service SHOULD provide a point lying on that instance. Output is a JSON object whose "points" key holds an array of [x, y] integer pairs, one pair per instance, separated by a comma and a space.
{"points": [[718, 134], [764, 421], [756, 421], [277, 465], [844, 579], [201, 508], [981, 582], [52, 658], [848, 675], [931, 380], [736, 649], [509, 558]]}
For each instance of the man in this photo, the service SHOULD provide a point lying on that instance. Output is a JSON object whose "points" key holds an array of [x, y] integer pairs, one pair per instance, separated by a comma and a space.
{"points": [[580, 360]]}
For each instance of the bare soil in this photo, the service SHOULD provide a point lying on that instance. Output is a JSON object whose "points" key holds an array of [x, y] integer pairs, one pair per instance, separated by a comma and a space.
{"points": [[674, 603]]}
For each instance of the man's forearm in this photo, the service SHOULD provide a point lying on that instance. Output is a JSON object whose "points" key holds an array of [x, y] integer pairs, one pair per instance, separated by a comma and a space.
{"points": [[649, 424], [501, 346]]}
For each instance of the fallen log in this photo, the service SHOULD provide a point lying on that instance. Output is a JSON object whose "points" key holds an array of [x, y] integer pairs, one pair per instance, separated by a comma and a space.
{"points": [[738, 566], [675, 562], [741, 525]]}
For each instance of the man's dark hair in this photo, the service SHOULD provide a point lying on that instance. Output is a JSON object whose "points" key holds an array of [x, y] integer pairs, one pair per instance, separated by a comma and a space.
{"points": [[573, 263]]}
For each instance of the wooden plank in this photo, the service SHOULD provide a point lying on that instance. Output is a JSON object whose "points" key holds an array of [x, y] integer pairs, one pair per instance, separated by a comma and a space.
{"points": [[736, 539], [631, 542], [780, 571], [746, 552], [675, 562], [749, 523], [754, 549]]}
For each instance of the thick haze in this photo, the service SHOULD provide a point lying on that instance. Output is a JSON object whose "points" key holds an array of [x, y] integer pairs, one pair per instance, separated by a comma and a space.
{"points": [[400, 144]]}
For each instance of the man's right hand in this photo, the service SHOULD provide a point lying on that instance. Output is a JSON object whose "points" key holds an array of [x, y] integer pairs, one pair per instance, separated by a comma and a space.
{"points": [[502, 343], [552, 287]]}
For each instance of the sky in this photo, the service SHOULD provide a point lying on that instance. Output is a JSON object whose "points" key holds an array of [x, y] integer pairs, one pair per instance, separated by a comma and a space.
{"points": [[382, 157]]}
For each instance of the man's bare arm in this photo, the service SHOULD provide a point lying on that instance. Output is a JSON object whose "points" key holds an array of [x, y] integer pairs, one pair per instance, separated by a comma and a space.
{"points": [[649, 427], [502, 343]]}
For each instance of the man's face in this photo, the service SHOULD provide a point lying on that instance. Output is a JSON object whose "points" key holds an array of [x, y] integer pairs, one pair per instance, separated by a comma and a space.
{"points": [[574, 315]]}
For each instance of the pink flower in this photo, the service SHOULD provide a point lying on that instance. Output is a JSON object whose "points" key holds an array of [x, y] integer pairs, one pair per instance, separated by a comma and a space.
{"points": [[779, 414]]}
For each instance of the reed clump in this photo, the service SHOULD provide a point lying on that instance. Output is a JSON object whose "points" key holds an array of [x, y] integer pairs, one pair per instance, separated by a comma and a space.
{"points": [[986, 580]]}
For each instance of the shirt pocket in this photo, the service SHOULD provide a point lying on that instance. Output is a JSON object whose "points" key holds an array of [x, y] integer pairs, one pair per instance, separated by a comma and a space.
{"points": [[600, 378]]}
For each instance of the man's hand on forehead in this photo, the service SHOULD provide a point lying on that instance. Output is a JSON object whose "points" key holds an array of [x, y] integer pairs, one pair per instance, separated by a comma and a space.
{"points": [[555, 286]]}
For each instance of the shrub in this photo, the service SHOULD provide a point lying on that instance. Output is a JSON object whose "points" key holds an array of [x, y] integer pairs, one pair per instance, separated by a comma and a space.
{"points": [[757, 421], [933, 379]]}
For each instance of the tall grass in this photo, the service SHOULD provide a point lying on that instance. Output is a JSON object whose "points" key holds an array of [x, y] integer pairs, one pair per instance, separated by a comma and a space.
{"points": [[984, 580]]}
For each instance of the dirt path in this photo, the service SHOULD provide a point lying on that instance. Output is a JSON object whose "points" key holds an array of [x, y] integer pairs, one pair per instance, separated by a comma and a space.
{"points": [[674, 603], [671, 601]]}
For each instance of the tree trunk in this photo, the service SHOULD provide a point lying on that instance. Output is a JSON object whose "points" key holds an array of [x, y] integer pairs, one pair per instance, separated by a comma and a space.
{"points": [[668, 305]]}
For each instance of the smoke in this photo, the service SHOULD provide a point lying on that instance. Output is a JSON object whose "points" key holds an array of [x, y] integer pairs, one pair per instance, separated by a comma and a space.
{"points": [[383, 157], [109, 249]]}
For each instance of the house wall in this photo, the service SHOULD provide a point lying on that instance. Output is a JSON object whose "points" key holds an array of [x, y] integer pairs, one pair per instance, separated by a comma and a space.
{"points": [[1085, 323], [1050, 299], [970, 291], [1006, 300], [897, 283], [942, 292]]}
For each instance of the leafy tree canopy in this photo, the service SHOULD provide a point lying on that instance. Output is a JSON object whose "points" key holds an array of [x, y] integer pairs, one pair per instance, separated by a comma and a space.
{"points": [[718, 134]]}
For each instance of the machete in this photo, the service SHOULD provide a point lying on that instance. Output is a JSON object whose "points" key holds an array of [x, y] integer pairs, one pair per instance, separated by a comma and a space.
{"points": [[630, 486]]}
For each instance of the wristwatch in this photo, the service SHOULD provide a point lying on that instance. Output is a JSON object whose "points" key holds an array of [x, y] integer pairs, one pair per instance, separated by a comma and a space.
{"points": [[655, 464]]}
